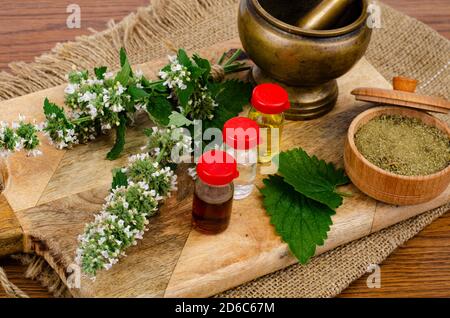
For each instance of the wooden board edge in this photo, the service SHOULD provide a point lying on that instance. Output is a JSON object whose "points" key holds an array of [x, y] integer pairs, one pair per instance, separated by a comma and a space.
{"points": [[11, 233]]}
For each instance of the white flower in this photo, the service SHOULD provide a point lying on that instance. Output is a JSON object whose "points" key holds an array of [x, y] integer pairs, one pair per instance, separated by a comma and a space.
{"points": [[108, 75], [120, 89], [139, 74], [87, 97], [71, 88], [163, 75], [92, 111], [34, 153]]}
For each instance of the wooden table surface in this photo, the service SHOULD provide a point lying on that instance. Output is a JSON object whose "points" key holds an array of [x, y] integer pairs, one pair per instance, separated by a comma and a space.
{"points": [[420, 268]]}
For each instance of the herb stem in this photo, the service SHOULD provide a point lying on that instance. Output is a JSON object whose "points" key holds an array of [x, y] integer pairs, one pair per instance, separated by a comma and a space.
{"points": [[161, 153], [155, 83], [81, 120], [344, 194], [233, 57]]}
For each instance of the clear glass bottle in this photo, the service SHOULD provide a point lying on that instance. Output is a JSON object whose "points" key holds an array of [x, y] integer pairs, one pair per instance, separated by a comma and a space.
{"points": [[241, 138], [269, 101], [213, 193]]}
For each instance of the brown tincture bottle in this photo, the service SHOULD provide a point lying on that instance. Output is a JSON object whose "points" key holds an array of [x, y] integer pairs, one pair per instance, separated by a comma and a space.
{"points": [[213, 194], [212, 207]]}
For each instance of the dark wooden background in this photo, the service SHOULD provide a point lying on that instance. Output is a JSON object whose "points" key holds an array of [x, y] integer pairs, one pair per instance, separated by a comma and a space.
{"points": [[420, 268]]}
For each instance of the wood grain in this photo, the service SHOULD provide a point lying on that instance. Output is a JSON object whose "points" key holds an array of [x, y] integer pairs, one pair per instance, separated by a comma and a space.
{"points": [[29, 28], [11, 235], [400, 98], [420, 276], [205, 265]]}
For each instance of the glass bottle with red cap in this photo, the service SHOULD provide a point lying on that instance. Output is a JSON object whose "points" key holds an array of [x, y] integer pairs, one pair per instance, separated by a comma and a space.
{"points": [[241, 138], [213, 194], [269, 102]]}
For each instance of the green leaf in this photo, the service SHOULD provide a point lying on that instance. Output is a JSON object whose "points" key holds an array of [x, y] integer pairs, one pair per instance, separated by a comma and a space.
{"points": [[231, 96], [159, 108], [137, 93], [183, 58], [125, 73], [184, 95], [301, 222], [51, 109], [179, 120], [123, 57], [120, 139], [120, 179], [204, 65], [312, 177], [100, 72]]}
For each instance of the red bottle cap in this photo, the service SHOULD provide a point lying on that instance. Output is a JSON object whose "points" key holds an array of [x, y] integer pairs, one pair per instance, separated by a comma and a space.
{"points": [[217, 167], [270, 99], [241, 133]]}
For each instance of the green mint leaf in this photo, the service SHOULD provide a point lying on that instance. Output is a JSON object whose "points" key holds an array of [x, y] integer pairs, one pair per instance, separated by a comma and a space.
{"points": [[183, 58], [123, 57], [120, 179], [100, 72], [159, 108], [179, 120], [137, 93], [301, 222], [231, 96], [120, 139], [312, 177], [184, 95], [52, 108], [125, 73], [204, 65]]}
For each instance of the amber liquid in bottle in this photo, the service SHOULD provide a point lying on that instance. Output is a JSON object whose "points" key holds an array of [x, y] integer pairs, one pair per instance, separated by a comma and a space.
{"points": [[211, 217]]}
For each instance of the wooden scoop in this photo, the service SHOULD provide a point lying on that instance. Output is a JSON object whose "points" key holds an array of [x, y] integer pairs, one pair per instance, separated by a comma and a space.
{"points": [[403, 95]]}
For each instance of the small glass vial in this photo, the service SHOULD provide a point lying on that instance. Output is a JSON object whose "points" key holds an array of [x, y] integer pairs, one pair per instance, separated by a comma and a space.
{"points": [[213, 193], [241, 138], [269, 101]]}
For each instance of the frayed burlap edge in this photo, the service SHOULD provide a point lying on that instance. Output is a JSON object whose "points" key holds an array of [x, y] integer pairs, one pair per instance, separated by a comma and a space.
{"points": [[403, 46]]}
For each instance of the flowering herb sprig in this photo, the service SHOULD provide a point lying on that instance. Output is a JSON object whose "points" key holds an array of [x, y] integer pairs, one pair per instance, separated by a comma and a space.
{"points": [[19, 136], [190, 85], [96, 105], [136, 194], [104, 101]]}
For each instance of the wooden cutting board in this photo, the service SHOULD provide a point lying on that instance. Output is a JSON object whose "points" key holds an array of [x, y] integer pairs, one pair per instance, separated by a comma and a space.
{"points": [[53, 196]]}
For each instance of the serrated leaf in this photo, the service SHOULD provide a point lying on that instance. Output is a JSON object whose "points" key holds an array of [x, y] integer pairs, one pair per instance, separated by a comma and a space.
{"points": [[120, 179], [204, 64], [301, 222], [159, 108], [179, 120], [100, 72], [120, 139], [51, 109], [312, 177]]}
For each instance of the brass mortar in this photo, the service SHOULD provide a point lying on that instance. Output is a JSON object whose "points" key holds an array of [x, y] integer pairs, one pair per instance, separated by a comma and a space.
{"points": [[305, 62]]}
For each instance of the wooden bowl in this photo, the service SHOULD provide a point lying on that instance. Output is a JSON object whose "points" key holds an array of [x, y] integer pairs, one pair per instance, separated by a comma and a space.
{"points": [[386, 186]]}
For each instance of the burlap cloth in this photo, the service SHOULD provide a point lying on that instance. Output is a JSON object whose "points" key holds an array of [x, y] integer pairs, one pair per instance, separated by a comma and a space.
{"points": [[403, 46]]}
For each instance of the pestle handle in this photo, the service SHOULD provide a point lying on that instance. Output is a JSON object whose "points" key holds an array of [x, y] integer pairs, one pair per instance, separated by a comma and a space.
{"points": [[324, 15]]}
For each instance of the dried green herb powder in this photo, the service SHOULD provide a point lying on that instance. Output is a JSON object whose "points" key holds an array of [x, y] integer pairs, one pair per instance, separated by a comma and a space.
{"points": [[404, 145]]}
